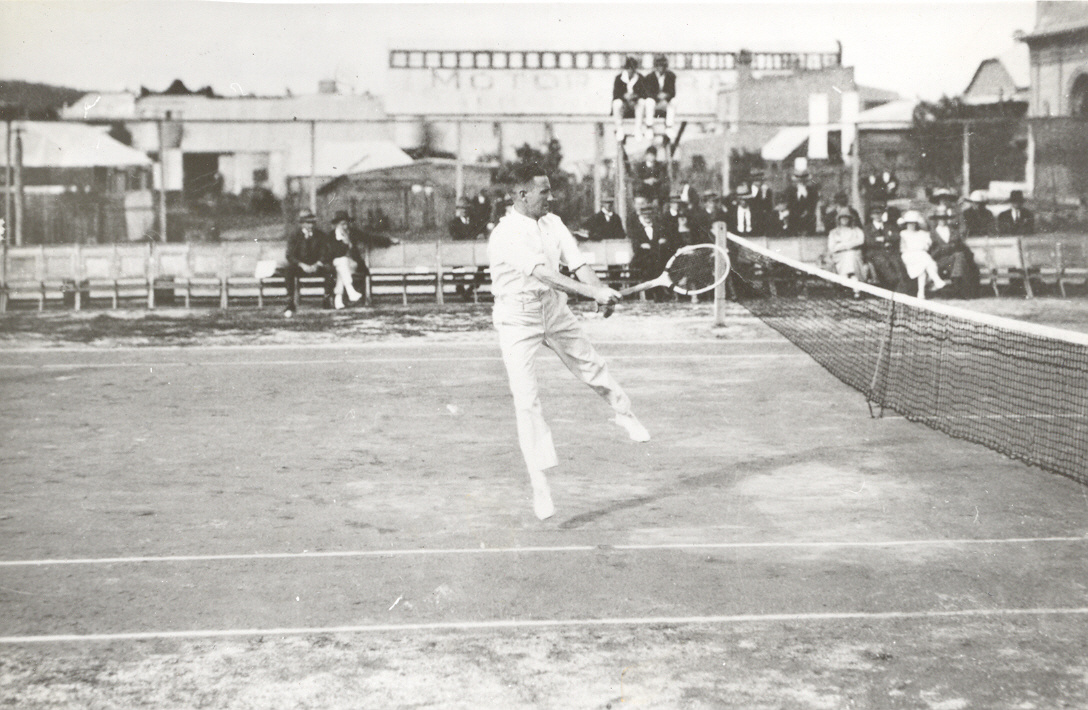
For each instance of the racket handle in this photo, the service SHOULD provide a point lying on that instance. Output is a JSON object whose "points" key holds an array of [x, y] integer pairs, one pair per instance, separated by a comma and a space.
{"points": [[661, 280]]}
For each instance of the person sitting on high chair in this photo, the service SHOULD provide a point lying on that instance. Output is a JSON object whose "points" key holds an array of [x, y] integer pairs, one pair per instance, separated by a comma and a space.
{"points": [[659, 90], [627, 97]]}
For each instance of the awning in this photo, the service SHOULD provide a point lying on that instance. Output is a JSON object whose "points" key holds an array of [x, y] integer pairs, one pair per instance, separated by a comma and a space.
{"points": [[56, 144], [335, 158], [785, 142]]}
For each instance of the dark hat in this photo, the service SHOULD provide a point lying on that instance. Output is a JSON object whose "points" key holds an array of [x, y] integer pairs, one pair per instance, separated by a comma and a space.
{"points": [[306, 216], [1016, 196], [660, 59], [340, 216], [630, 63]]}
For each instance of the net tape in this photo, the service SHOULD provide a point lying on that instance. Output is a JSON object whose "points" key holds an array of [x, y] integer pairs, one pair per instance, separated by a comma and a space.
{"points": [[1018, 388]]}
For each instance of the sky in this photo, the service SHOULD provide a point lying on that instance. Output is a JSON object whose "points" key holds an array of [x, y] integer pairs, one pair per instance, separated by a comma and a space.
{"points": [[918, 49]]}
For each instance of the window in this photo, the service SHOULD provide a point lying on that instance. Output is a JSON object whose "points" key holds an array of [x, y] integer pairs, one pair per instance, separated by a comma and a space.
{"points": [[517, 60], [415, 60], [547, 60], [483, 60], [600, 60], [615, 60], [433, 60], [464, 60], [532, 60], [581, 60], [498, 60], [398, 60], [449, 60]]}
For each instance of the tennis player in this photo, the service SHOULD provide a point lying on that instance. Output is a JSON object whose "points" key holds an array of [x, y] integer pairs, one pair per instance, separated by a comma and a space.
{"points": [[525, 251]]}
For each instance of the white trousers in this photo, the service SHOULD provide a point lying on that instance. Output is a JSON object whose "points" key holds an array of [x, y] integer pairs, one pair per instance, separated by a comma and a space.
{"points": [[524, 324]]}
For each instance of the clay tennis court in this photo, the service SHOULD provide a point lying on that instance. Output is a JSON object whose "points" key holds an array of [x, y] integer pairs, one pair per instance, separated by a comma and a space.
{"points": [[344, 521]]}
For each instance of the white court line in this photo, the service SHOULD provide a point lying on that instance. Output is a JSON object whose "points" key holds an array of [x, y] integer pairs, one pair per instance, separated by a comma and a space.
{"points": [[340, 361], [405, 552], [552, 624], [370, 345]]}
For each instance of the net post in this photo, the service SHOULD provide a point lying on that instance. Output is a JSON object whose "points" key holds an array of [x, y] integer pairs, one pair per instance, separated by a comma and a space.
{"points": [[883, 356], [719, 290]]}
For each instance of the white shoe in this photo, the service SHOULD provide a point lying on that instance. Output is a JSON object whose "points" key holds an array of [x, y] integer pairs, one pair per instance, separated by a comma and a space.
{"points": [[338, 302], [938, 284], [634, 427], [354, 296], [542, 496]]}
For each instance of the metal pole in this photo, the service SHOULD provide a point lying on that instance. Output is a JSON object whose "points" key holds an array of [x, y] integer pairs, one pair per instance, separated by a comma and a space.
{"points": [[855, 173], [727, 149], [966, 159], [598, 158], [162, 179], [621, 182], [458, 166], [20, 194], [7, 176], [313, 166]]}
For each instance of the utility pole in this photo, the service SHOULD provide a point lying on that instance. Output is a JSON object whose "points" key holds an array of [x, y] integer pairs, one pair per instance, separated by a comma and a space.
{"points": [[966, 158], [20, 194], [162, 179], [313, 167]]}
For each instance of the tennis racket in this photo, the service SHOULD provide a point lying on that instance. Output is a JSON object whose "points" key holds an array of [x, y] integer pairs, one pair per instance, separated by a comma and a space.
{"points": [[692, 270]]}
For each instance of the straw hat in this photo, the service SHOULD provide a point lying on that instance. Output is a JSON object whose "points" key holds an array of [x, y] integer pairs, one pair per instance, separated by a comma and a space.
{"points": [[912, 216], [978, 197]]}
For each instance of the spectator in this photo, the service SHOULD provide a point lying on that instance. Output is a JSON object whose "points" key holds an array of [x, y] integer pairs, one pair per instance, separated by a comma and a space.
{"points": [[764, 217], [343, 254], [659, 90], [978, 221], [839, 203], [889, 185], [461, 227], [652, 243], [627, 98], [712, 206], [354, 243], [801, 204], [741, 219], [1017, 219], [955, 262], [605, 224], [306, 250], [844, 243], [652, 179], [881, 252], [479, 213], [914, 244], [872, 189]]}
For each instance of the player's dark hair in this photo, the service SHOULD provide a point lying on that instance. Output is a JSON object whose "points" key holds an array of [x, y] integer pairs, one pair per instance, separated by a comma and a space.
{"points": [[524, 173]]}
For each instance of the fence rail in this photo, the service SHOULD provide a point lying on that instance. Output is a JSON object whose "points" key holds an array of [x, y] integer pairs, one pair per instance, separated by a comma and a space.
{"points": [[156, 273]]}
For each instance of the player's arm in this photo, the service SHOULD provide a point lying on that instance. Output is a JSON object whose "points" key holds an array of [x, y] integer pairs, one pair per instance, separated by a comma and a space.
{"points": [[594, 289]]}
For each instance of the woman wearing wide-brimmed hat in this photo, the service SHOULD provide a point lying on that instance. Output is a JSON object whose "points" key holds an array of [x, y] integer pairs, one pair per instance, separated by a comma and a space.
{"points": [[914, 244]]}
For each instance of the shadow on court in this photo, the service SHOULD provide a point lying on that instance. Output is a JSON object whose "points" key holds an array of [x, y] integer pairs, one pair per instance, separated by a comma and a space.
{"points": [[350, 526]]}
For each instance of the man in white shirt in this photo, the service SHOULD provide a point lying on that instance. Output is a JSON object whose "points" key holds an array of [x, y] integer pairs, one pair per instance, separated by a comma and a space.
{"points": [[525, 251]]}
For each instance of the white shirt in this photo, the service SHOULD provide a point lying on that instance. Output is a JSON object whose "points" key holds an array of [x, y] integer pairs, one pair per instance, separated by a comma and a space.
{"points": [[519, 244]]}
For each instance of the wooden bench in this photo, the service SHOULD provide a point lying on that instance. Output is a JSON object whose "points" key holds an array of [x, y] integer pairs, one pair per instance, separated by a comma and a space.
{"points": [[1001, 262]]}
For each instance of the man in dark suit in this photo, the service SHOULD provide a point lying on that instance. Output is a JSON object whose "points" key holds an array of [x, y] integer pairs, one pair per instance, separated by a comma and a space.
{"points": [[307, 255], [978, 221], [741, 218], [801, 203], [1017, 219], [659, 90], [652, 176], [652, 243], [764, 217], [461, 227], [605, 224]]}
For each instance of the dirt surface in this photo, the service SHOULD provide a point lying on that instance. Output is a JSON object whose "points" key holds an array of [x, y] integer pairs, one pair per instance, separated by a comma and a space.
{"points": [[331, 512]]}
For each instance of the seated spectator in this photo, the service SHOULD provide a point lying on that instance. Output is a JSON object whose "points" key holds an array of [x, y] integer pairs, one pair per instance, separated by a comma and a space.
{"points": [[627, 98], [955, 261], [659, 90], [343, 254], [712, 206], [306, 250], [1017, 219], [350, 245], [914, 244], [881, 252], [839, 203], [649, 240], [978, 221], [651, 177], [605, 224], [461, 227], [844, 243]]}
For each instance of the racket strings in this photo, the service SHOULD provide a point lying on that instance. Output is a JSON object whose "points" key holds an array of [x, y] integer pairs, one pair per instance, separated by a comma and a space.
{"points": [[693, 269]]}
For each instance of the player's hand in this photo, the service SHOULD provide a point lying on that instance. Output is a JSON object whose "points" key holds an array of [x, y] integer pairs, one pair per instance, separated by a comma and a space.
{"points": [[605, 296]]}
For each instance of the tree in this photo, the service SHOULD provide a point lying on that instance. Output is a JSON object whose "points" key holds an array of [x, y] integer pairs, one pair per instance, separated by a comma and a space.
{"points": [[568, 198]]}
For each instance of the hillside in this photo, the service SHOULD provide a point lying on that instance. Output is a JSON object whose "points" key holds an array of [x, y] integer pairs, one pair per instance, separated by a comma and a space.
{"points": [[23, 99]]}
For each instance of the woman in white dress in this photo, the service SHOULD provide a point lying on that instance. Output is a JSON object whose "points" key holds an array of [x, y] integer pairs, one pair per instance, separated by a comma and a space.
{"points": [[914, 244]]}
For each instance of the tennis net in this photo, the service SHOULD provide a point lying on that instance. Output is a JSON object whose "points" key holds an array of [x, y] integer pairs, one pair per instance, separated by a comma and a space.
{"points": [[1018, 388]]}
